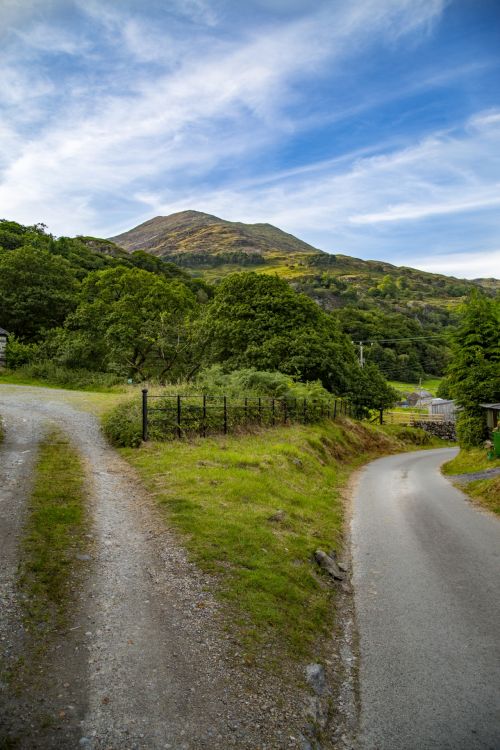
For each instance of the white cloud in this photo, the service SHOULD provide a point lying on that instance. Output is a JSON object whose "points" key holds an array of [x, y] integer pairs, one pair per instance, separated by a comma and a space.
{"points": [[482, 264], [206, 110]]}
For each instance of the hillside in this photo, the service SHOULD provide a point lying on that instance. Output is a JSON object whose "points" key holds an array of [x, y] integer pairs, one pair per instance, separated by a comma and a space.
{"points": [[373, 300], [212, 247], [204, 239]]}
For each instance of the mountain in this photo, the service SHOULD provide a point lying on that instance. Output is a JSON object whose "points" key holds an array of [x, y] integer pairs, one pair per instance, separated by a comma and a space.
{"points": [[196, 234], [404, 310], [212, 247]]}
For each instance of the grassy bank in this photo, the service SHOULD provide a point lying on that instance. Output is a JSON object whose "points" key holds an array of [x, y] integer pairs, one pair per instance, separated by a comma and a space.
{"points": [[430, 384], [54, 533], [47, 375], [484, 491], [253, 508]]}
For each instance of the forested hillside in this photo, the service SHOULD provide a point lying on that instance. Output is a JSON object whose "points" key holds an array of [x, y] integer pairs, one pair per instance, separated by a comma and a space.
{"points": [[165, 305], [85, 304], [372, 300]]}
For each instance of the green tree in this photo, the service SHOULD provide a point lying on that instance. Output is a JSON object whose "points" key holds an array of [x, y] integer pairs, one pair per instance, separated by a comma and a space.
{"points": [[474, 374], [132, 322], [37, 291], [256, 320], [370, 390]]}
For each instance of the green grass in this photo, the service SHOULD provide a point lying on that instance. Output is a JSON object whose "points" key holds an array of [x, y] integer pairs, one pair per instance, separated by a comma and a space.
{"points": [[47, 375], [486, 492], [54, 533], [469, 461], [430, 384], [223, 495]]}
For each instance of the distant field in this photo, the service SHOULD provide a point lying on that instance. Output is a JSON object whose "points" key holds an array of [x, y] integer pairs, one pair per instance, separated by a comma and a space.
{"points": [[431, 385]]}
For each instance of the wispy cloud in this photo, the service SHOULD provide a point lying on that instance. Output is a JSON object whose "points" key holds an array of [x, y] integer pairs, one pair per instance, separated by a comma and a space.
{"points": [[193, 117], [116, 114]]}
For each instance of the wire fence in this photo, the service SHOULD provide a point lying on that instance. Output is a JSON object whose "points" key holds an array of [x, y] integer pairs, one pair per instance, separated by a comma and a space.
{"points": [[166, 416]]}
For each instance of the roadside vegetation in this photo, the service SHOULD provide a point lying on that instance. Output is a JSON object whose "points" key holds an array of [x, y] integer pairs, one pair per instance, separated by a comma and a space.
{"points": [[54, 534], [253, 508], [484, 491]]}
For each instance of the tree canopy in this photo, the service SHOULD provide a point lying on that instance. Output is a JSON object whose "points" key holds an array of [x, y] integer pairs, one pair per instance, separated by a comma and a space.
{"points": [[256, 320], [474, 373]]}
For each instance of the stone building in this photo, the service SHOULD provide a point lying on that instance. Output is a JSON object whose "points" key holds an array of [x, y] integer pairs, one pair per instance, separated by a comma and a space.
{"points": [[3, 345]]}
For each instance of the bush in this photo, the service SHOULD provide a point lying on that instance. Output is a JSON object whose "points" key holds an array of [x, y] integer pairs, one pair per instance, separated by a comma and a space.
{"points": [[123, 425], [65, 377], [252, 382], [18, 354], [471, 430]]}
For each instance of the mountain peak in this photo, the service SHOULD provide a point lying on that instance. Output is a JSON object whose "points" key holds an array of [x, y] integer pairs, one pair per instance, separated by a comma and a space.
{"points": [[197, 233]]}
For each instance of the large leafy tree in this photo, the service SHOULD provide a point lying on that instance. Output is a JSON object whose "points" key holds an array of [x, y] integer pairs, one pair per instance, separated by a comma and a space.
{"points": [[258, 321], [474, 374], [37, 291], [130, 321]]}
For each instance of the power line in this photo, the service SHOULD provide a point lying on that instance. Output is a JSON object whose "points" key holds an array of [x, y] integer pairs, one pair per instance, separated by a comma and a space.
{"points": [[406, 338]]}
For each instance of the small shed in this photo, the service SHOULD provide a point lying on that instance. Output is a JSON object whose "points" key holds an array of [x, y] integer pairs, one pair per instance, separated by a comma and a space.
{"points": [[3, 346], [443, 406], [492, 415]]}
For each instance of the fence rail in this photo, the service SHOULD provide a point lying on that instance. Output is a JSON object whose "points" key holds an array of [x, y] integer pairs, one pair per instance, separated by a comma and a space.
{"points": [[167, 416], [408, 417]]}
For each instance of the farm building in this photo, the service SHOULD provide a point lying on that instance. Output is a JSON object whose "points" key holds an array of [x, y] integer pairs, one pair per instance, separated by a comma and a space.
{"points": [[3, 345]]}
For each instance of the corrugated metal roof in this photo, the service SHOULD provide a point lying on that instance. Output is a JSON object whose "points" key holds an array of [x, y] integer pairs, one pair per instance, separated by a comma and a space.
{"points": [[3, 332], [495, 407]]}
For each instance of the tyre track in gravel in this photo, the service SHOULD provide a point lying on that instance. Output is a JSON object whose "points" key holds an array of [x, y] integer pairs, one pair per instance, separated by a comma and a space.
{"points": [[159, 670]]}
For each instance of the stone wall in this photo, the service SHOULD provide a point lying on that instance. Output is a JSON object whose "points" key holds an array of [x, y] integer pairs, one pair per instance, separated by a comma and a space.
{"points": [[444, 430]]}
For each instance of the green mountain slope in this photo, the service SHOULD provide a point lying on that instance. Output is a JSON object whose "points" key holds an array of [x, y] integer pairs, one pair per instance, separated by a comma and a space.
{"points": [[373, 300]]}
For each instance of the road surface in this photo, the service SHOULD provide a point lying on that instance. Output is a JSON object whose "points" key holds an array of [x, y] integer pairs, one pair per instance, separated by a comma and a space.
{"points": [[426, 573]]}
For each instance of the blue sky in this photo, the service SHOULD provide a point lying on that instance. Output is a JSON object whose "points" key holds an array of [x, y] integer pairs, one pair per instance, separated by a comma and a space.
{"points": [[369, 127]]}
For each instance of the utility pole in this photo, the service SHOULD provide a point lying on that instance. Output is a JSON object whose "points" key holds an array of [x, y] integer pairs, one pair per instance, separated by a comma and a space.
{"points": [[361, 353]]}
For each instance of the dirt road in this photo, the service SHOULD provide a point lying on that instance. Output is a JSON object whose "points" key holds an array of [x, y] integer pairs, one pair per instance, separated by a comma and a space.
{"points": [[146, 661]]}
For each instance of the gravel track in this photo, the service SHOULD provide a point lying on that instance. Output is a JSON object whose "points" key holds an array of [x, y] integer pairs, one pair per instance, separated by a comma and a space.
{"points": [[147, 661]]}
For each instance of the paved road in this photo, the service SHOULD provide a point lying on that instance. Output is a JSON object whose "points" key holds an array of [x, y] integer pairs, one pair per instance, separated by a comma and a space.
{"points": [[427, 592]]}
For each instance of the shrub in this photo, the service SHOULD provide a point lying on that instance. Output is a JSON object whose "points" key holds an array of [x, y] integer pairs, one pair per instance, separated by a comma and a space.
{"points": [[123, 425], [471, 430], [18, 354], [66, 377]]}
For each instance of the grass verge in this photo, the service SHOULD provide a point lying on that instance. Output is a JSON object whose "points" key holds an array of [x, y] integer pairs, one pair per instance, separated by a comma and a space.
{"points": [[253, 508], [486, 492], [53, 535], [47, 375], [469, 461]]}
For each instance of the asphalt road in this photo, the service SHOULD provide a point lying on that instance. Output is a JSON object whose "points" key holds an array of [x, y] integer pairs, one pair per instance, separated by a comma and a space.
{"points": [[426, 572]]}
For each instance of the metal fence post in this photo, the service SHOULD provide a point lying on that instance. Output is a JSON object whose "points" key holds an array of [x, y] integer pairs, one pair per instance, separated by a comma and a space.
{"points": [[285, 414], [144, 414], [272, 413], [179, 416], [204, 416], [305, 411], [260, 411], [225, 415]]}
